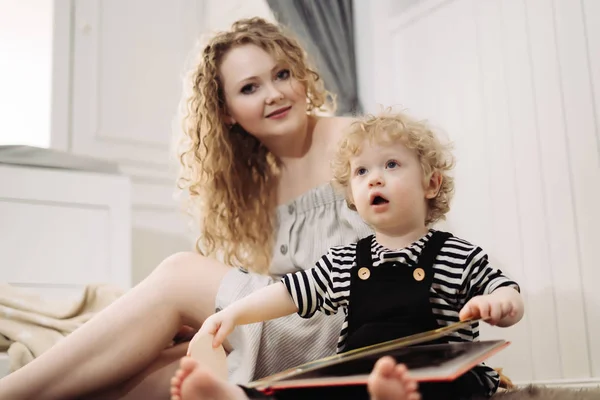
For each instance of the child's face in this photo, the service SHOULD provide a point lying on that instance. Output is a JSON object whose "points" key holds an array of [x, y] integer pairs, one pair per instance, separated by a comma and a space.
{"points": [[260, 94], [388, 187]]}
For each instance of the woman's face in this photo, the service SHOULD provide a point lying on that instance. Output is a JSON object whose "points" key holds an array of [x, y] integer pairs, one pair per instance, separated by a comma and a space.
{"points": [[261, 95]]}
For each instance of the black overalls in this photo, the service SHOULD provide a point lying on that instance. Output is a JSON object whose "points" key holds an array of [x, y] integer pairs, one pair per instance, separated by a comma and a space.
{"points": [[391, 301], [388, 302]]}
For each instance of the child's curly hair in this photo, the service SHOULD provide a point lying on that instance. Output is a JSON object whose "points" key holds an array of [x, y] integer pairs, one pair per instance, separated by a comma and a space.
{"points": [[415, 135], [230, 177]]}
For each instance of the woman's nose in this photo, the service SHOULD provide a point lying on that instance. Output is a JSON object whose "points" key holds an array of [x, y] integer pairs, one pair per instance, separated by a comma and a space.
{"points": [[273, 94]]}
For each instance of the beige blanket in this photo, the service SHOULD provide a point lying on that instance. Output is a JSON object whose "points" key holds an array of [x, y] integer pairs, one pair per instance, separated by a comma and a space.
{"points": [[29, 325]]}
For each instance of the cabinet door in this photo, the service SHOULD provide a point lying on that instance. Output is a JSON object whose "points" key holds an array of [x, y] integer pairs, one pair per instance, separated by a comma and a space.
{"points": [[62, 230], [129, 58]]}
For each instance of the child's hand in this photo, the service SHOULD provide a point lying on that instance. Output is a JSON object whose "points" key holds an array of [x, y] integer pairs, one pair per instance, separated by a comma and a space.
{"points": [[219, 325], [503, 307]]}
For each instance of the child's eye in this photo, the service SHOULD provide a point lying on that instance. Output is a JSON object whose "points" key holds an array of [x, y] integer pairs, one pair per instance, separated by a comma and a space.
{"points": [[391, 164], [283, 74], [248, 89], [361, 171]]}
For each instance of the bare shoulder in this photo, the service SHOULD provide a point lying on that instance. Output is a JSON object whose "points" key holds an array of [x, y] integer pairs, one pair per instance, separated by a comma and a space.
{"points": [[330, 130]]}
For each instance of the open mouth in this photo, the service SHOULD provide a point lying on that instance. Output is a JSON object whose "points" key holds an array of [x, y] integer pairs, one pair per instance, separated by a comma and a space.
{"points": [[377, 200]]}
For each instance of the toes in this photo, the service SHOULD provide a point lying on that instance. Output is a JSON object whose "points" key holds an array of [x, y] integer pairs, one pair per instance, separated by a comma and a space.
{"points": [[188, 363], [402, 375], [384, 366], [400, 371], [175, 383], [411, 386], [187, 366]]}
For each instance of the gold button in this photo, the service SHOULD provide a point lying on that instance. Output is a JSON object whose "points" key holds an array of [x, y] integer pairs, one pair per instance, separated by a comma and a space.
{"points": [[364, 273], [419, 274]]}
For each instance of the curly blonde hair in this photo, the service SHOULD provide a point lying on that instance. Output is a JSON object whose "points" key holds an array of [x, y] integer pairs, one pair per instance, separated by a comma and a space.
{"points": [[415, 135], [230, 177]]}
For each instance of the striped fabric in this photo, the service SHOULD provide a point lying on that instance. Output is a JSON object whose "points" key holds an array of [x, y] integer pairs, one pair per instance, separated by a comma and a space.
{"points": [[308, 226], [461, 271]]}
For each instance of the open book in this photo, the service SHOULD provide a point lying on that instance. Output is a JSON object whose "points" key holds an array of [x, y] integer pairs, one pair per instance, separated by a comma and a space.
{"points": [[426, 362]]}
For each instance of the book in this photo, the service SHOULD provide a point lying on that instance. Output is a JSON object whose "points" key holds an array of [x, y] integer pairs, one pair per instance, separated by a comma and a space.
{"points": [[426, 362]]}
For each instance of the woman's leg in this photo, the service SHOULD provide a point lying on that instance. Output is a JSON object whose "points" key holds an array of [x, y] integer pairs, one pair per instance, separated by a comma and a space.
{"points": [[150, 384], [126, 337]]}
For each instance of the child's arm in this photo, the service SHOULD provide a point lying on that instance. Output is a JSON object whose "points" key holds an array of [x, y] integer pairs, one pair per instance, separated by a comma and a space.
{"points": [[503, 307], [267, 303], [304, 292], [488, 293]]}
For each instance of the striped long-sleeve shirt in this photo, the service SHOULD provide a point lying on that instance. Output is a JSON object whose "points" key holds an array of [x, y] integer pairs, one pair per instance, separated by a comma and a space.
{"points": [[461, 272]]}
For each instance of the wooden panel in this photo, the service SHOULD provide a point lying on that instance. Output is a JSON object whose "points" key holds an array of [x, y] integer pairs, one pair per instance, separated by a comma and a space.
{"points": [[449, 69], [591, 13], [499, 170], [584, 162], [535, 274]]}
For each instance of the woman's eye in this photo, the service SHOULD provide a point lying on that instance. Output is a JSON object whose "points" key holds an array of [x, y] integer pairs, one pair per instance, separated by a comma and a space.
{"points": [[283, 74], [361, 171], [248, 89], [391, 164]]}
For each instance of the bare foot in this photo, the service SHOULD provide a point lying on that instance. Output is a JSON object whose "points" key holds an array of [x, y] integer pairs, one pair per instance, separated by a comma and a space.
{"points": [[193, 382], [391, 381]]}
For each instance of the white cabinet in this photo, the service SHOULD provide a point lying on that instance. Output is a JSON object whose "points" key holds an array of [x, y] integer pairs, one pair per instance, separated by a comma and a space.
{"points": [[62, 229]]}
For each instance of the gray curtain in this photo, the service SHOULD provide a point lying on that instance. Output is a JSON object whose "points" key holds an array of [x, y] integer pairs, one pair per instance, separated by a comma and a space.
{"points": [[326, 28]]}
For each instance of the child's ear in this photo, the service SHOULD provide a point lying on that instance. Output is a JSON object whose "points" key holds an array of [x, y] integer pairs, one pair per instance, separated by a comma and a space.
{"points": [[350, 199], [433, 186]]}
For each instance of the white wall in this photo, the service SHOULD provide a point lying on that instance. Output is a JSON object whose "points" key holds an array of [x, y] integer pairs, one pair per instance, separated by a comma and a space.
{"points": [[220, 14], [25, 71], [516, 86]]}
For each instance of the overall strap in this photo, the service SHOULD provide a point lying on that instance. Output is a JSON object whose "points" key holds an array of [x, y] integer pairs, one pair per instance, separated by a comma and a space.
{"points": [[432, 248], [363, 252]]}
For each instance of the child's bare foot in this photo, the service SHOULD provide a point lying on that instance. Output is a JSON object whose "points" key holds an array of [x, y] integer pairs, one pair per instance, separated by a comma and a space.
{"points": [[193, 381], [389, 380], [206, 381]]}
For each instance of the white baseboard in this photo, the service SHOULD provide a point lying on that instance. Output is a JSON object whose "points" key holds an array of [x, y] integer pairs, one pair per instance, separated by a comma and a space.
{"points": [[565, 383]]}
